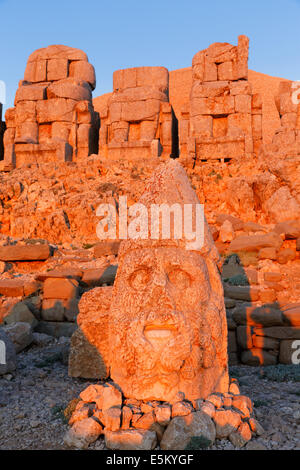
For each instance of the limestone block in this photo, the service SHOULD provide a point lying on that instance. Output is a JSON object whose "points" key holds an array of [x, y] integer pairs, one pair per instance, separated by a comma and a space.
{"points": [[242, 103], [31, 93], [36, 71], [27, 133], [57, 69], [26, 112], [82, 70], [58, 109], [225, 71], [70, 88]]}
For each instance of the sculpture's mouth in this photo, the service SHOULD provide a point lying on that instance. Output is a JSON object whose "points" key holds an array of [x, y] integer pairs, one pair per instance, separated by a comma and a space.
{"points": [[159, 334]]}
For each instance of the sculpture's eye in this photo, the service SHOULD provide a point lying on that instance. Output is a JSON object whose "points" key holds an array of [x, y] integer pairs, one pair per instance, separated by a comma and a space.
{"points": [[139, 279], [179, 278]]}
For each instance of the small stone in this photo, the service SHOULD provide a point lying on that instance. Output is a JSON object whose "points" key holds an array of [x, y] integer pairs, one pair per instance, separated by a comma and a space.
{"points": [[112, 418], [20, 313], [111, 397], [254, 445], [130, 439], [208, 408], [91, 393], [243, 404], [181, 408], [256, 427], [226, 233], [234, 388], [240, 437], [20, 335], [216, 400], [226, 422], [146, 421], [146, 408], [83, 433], [286, 255], [163, 414], [126, 417], [40, 339], [82, 411]]}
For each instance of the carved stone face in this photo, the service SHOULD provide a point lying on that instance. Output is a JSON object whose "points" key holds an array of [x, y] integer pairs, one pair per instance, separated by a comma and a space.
{"points": [[165, 327]]}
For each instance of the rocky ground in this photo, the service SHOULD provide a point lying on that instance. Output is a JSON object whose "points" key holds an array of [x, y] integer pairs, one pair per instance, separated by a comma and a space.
{"points": [[33, 399]]}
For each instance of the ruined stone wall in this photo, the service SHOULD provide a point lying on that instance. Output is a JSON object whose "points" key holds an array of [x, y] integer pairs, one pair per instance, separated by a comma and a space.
{"points": [[224, 118], [53, 118], [138, 120]]}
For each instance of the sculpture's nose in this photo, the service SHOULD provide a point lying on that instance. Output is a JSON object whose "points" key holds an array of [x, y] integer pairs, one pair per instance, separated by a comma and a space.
{"points": [[160, 278]]}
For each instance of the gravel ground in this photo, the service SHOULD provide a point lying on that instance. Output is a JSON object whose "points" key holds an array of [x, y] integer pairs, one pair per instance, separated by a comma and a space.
{"points": [[33, 399]]}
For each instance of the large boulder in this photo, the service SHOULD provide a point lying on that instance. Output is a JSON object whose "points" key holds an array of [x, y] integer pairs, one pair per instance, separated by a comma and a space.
{"points": [[182, 429], [20, 334]]}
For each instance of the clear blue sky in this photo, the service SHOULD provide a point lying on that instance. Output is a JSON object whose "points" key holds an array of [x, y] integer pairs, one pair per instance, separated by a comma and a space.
{"points": [[127, 33]]}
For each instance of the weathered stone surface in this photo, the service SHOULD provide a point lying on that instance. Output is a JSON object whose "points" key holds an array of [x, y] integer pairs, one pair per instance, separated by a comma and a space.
{"points": [[226, 422], [146, 421], [20, 313], [280, 332], [291, 315], [105, 248], [226, 232], [8, 359], [181, 408], [255, 242], [12, 287], [268, 253], [244, 336], [56, 329], [111, 397], [111, 418], [24, 252], [162, 414], [60, 288], [99, 276], [83, 433], [182, 429], [20, 334], [208, 408], [247, 293], [256, 357], [240, 437], [85, 360], [256, 315], [130, 439], [286, 255], [66, 273]]}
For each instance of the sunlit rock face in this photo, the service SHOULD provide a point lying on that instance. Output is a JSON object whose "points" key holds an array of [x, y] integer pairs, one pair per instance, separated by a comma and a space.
{"points": [[167, 322], [160, 332]]}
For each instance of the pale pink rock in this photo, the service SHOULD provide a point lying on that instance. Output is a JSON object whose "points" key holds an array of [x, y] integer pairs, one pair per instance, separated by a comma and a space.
{"points": [[226, 233]]}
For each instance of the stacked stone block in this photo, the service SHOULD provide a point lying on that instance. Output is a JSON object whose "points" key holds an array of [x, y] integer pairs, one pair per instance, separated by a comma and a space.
{"points": [[53, 118], [139, 120], [287, 137], [224, 119]]}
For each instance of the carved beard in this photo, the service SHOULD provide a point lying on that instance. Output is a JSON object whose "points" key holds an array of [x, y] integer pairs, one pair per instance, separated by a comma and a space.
{"points": [[146, 361]]}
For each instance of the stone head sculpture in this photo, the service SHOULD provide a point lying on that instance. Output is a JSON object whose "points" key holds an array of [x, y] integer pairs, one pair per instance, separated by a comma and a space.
{"points": [[166, 326]]}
